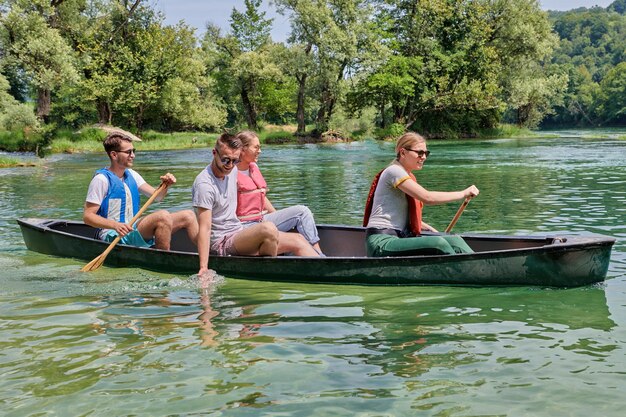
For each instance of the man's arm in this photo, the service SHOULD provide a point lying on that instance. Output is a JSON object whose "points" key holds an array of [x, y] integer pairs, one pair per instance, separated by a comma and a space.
{"points": [[147, 190], [205, 219], [93, 219]]}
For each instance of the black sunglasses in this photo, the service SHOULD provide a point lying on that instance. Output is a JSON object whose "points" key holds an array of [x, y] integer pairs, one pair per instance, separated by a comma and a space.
{"points": [[419, 153], [226, 161], [128, 152]]}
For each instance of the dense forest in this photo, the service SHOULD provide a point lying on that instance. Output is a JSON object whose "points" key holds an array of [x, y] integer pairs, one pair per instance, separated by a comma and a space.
{"points": [[436, 66]]}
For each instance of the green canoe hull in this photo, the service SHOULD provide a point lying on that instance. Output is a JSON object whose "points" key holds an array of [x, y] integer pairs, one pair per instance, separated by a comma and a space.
{"points": [[563, 261]]}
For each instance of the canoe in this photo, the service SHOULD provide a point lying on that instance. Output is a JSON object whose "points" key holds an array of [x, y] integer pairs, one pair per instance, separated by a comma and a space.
{"points": [[548, 261]]}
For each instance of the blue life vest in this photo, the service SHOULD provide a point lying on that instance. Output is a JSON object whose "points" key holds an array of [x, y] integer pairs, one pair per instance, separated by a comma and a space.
{"points": [[117, 191]]}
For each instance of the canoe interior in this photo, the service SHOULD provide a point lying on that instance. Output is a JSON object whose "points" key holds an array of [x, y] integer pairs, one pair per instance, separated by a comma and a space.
{"points": [[340, 241]]}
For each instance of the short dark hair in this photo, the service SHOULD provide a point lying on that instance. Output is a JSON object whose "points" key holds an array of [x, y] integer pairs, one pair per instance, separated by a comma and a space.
{"points": [[228, 140], [113, 141]]}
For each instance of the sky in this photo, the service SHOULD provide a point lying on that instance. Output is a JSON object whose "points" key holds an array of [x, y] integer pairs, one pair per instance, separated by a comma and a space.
{"points": [[197, 13]]}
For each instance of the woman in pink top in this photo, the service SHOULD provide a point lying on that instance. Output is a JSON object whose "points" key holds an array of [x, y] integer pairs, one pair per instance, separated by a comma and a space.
{"points": [[253, 206]]}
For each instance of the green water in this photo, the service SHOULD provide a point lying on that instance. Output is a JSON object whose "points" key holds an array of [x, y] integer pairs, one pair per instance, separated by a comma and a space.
{"points": [[120, 342]]}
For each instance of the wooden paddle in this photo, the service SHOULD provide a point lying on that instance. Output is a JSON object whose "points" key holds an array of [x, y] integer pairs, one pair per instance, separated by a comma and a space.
{"points": [[458, 214], [98, 261]]}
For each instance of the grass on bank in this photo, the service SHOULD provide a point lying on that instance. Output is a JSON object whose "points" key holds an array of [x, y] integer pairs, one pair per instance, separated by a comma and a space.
{"points": [[8, 162], [506, 131], [90, 139]]}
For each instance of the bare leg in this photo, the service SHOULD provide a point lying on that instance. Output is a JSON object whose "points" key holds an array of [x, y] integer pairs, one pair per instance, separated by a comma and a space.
{"points": [[159, 225], [296, 244], [317, 247], [186, 219], [260, 239]]}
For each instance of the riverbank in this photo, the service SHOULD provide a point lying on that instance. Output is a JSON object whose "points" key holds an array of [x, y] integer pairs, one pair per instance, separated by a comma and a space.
{"points": [[89, 140], [10, 162]]}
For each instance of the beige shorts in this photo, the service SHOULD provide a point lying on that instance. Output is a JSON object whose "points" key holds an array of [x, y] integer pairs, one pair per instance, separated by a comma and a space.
{"points": [[225, 245]]}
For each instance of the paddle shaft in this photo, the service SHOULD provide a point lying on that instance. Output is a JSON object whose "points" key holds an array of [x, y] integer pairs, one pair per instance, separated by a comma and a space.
{"points": [[98, 261], [458, 214]]}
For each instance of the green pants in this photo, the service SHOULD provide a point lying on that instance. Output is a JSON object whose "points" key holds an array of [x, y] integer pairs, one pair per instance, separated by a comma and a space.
{"points": [[387, 245]]}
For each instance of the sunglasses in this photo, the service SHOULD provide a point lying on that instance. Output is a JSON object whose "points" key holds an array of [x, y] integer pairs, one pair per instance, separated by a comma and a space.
{"points": [[128, 152], [226, 161], [419, 153]]}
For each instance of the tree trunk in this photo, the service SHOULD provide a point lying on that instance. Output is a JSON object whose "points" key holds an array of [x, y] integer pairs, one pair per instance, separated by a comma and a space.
{"points": [[301, 95], [300, 110], [43, 103], [321, 121], [105, 115], [382, 114], [139, 118], [251, 115]]}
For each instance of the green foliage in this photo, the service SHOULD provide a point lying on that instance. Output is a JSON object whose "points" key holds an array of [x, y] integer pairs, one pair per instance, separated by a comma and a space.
{"points": [[18, 117], [32, 43], [451, 62], [391, 132], [618, 6], [447, 68], [592, 44], [612, 99], [20, 141], [251, 28], [18, 125], [354, 128], [277, 137], [14, 116]]}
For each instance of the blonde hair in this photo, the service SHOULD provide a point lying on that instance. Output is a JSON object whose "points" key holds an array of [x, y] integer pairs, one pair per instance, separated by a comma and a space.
{"points": [[407, 141], [246, 136]]}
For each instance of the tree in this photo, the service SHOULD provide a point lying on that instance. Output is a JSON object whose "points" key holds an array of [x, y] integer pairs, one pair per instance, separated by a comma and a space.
{"points": [[613, 97], [32, 43], [246, 53], [525, 42], [332, 33], [13, 114], [591, 44], [140, 72]]}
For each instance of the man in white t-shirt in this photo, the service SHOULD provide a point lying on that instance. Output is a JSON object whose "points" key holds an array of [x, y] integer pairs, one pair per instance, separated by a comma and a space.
{"points": [[214, 197], [113, 200]]}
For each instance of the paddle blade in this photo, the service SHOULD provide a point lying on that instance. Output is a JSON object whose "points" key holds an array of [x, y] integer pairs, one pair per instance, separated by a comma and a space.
{"points": [[94, 264]]}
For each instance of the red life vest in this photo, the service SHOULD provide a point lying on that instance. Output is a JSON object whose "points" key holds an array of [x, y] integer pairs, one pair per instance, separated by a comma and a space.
{"points": [[251, 191], [415, 207]]}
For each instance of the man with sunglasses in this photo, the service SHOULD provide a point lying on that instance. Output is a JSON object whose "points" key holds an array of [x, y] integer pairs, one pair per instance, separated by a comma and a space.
{"points": [[214, 196], [113, 200]]}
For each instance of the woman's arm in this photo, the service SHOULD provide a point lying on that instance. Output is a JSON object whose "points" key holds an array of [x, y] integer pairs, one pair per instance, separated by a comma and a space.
{"points": [[415, 190], [268, 206], [426, 226]]}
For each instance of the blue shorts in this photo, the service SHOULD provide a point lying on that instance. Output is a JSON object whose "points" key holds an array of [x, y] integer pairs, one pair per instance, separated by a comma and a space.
{"points": [[134, 238]]}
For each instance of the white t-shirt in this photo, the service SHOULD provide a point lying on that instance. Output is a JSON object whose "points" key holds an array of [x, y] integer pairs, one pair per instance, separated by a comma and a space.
{"points": [[220, 196], [390, 208], [98, 189]]}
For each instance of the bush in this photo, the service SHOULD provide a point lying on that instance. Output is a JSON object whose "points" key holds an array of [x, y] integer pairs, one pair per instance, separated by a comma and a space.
{"points": [[19, 141], [391, 132], [17, 117], [89, 134]]}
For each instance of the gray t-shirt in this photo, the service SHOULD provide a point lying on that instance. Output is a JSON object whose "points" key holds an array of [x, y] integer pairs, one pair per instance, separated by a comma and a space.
{"points": [[390, 207], [219, 196]]}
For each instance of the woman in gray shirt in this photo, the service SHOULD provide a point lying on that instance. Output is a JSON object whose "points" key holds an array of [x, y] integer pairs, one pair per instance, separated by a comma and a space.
{"points": [[394, 207]]}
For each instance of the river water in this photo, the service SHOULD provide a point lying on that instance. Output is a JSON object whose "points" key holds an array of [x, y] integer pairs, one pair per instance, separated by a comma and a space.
{"points": [[133, 342]]}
